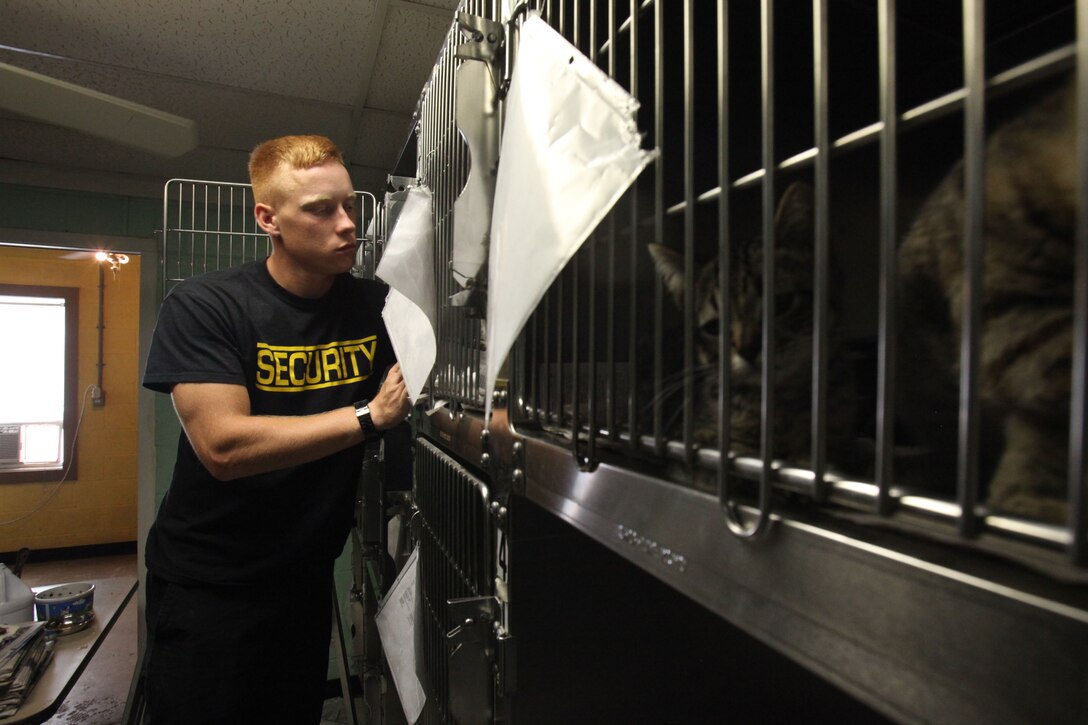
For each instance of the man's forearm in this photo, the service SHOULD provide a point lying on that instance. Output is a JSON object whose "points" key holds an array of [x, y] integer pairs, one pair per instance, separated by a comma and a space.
{"points": [[232, 443], [249, 445]]}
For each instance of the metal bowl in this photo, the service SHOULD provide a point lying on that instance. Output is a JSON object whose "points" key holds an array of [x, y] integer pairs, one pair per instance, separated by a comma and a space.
{"points": [[64, 601]]}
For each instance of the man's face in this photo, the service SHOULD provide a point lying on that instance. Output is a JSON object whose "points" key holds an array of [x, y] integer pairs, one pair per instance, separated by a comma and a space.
{"points": [[314, 215]]}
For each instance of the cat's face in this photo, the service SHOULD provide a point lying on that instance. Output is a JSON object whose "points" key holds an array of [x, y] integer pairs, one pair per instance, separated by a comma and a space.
{"points": [[793, 297]]}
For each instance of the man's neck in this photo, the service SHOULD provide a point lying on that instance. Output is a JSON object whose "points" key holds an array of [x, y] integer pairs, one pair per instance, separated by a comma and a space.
{"points": [[296, 281]]}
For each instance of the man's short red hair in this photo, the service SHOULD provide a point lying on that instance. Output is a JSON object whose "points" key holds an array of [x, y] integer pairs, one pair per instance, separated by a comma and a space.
{"points": [[293, 152]]}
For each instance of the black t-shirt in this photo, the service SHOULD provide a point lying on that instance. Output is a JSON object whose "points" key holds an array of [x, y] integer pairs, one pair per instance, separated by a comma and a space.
{"points": [[295, 356]]}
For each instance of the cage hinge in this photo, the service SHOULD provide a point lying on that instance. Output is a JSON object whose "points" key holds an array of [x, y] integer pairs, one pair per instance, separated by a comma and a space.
{"points": [[477, 89], [484, 38], [506, 661], [471, 656]]}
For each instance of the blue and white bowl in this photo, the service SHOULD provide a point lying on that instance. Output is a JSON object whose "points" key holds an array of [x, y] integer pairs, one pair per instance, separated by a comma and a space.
{"points": [[64, 601]]}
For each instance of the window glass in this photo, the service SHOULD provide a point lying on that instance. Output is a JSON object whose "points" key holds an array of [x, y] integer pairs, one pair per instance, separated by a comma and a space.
{"points": [[35, 377]]}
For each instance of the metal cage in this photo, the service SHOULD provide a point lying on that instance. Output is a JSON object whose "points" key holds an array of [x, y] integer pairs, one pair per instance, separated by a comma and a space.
{"points": [[869, 104], [209, 225], [730, 91], [456, 563]]}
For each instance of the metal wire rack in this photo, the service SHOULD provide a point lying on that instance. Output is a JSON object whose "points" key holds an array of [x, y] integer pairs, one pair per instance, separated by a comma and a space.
{"points": [[209, 225]]}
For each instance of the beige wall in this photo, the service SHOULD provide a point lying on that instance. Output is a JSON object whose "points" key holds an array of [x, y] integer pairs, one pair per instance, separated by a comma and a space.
{"points": [[99, 505]]}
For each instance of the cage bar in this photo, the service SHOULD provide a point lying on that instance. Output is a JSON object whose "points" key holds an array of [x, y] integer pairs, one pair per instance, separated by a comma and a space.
{"points": [[974, 219], [886, 373], [822, 189]]}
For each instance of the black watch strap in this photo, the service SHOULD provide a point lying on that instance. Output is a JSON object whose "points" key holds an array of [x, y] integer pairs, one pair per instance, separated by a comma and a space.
{"points": [[362, 414]]}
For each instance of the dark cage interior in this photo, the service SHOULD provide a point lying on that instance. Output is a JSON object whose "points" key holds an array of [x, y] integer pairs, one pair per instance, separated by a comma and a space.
{"points": [[652, 349]]}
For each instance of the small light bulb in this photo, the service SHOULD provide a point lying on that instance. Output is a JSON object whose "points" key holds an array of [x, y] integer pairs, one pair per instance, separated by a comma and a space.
{"points": [[101, 256]]}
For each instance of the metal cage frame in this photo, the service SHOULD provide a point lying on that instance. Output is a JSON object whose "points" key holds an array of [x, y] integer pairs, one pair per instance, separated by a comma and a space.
{"points": [[209, 225], [570, 433]]}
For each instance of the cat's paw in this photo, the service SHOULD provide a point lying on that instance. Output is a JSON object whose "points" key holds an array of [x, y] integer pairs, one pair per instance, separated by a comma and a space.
{"points": [[1029, 505]]}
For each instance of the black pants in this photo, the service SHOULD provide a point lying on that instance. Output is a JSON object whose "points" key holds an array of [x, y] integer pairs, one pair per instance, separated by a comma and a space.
{"points": [[253, 654]]}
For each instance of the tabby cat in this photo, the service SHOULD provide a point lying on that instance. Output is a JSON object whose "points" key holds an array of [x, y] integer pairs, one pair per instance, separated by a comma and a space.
{"points": [[1027, 306], [794, 315]]}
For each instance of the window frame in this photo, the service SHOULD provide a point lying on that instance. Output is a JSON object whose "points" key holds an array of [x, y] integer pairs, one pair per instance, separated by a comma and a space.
{"points": [[69, 460]]}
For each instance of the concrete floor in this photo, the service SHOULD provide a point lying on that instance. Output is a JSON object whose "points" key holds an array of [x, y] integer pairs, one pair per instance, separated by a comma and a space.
{"points": [[98, 697]]}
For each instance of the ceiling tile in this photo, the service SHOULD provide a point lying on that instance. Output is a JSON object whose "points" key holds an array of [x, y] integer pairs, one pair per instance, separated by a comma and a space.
{"points": [[226, 117], [306, 48], [244, 71], [404, 67]]}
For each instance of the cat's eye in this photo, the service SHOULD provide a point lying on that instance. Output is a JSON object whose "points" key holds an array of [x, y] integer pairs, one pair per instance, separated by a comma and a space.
{"points": [[711, 328], [783, 302]]}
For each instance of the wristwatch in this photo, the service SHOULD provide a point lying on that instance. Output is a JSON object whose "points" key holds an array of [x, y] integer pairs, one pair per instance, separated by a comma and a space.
{"points": [[362, 414]]}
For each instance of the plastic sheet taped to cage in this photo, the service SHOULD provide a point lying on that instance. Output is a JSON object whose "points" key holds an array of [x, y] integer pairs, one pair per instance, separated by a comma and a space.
{"points": [[407, 266], [570, 149]]}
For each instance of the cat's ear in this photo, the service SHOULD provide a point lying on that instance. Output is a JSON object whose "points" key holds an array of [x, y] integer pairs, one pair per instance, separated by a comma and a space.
{"points": [[670, 265], [795, 216]]}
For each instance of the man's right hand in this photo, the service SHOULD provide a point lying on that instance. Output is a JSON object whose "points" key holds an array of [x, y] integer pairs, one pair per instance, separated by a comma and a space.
{"points": [[391, 405]]}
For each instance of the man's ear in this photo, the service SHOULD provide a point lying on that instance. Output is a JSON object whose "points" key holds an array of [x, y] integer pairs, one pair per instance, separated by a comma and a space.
{"points": [[266, 218]]}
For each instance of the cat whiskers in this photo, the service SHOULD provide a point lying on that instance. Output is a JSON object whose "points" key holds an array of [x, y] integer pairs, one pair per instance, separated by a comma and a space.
{"points": [[672, 386]]}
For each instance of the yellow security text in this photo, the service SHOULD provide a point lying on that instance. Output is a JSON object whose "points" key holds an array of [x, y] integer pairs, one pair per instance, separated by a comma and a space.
{"points": [[294, 368]]}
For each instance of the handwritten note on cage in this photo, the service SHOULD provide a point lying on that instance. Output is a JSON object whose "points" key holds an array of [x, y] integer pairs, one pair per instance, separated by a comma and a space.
{"points": [[570, 148], [396, 620], [407, 267]]}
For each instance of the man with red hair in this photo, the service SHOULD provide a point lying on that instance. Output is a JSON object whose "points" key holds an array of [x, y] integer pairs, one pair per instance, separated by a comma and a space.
{"points": [[276, 371]]}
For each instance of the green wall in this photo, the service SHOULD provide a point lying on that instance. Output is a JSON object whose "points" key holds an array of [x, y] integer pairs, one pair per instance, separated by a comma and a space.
{"points": [[53, 210]]}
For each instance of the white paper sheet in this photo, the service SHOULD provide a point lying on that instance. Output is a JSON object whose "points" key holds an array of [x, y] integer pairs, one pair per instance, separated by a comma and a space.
{"points": [[407, 266], [396, 620], [570, 148]]}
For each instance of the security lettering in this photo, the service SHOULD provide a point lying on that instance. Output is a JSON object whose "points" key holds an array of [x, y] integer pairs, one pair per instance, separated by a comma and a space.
{"points": [[295, 368]]}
